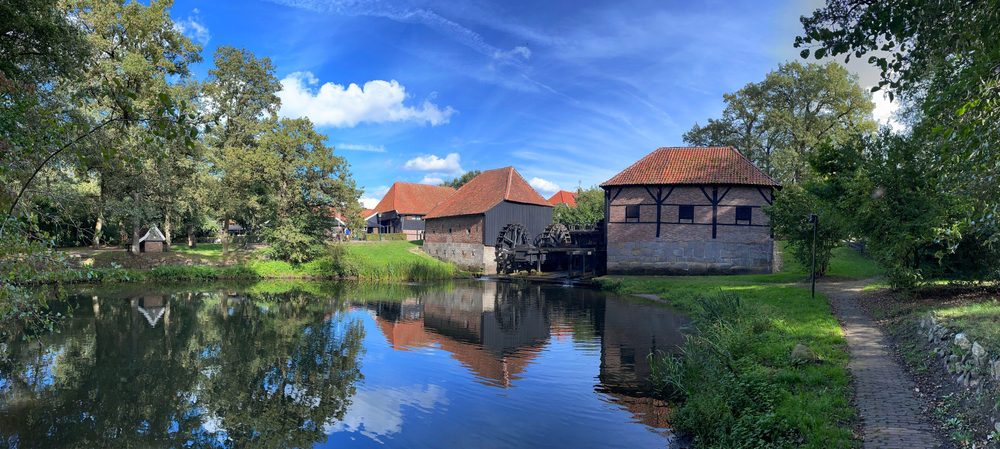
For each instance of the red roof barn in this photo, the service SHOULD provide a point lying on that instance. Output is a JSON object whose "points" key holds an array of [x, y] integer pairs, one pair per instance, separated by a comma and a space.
{"points": [[403, 207], [463, 228]]}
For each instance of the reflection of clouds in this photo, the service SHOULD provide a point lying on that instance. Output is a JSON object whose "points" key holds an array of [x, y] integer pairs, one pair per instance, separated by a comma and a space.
{"points": [[375, 413]]}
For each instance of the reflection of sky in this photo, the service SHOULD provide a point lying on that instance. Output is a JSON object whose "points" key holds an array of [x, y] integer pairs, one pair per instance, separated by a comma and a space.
{"points": [[426, 398]]}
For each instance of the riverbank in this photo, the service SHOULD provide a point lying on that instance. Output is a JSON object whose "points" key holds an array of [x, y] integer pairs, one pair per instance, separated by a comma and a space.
{"points": [[776, 369], [390, 261]]}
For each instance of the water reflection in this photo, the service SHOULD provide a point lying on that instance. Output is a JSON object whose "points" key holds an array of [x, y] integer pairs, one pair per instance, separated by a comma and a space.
{"points": [[476, 364]]}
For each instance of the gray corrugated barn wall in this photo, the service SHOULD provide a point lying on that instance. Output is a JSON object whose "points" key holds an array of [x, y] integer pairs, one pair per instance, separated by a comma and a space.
{"points": [[534, 218]]}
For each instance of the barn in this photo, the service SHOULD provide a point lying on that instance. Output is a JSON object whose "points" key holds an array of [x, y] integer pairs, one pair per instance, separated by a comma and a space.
{"points": [[684, 210], [403, 207], [463, 228]]}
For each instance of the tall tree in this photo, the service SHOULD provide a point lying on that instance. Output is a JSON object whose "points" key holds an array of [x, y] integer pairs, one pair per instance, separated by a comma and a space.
{"points": [[139, 51], [305, 185], [779, 122], [241, 92], [943, 56]]}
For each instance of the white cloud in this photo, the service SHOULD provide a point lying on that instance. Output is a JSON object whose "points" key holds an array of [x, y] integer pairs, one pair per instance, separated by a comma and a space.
{"points": [[517, 52], [360, 147], [433, 180], [372, 196], [194, 27], [378, 101], [544, 186], [379, 413], [450, 164], [885, 112]]}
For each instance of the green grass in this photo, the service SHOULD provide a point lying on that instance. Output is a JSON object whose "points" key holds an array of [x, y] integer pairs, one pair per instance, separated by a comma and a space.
{"points": [[813, 398], [980, 320], [211, 251], [387, 261]]}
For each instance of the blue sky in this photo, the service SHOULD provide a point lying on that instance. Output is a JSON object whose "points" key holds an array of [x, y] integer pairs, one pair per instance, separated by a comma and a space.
{"points": [[567, 92]]}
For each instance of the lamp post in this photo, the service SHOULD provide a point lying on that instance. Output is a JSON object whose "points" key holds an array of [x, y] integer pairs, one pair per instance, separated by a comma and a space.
{"points": [[814, 219]]}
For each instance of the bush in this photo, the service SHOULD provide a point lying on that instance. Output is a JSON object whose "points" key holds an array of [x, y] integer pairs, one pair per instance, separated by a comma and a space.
{"points": [[728, 396], [392, 236]]}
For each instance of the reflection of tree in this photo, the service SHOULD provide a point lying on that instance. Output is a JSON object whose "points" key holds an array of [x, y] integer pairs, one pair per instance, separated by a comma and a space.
{"points": [[261, 371]]}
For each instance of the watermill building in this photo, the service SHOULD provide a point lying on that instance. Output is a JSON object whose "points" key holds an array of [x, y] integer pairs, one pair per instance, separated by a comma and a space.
{"points": [[689, 211], [463, 228]]}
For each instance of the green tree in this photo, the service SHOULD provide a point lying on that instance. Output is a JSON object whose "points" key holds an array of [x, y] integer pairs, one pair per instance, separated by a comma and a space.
{"points": [[241, 92], [942, 57], [461, 180], [778, 123], [588, 211], [305, 186], [139, 51]]}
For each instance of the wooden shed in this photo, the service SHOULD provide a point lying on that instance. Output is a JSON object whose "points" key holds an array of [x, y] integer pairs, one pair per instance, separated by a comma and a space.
{"points": [[463, 229], [685, 210]]}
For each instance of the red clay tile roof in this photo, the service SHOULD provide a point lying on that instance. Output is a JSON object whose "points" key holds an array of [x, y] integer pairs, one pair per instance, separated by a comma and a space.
{"points": [[563, 197], [367, 213], [413, 199], [487, 190], [693, 165]]}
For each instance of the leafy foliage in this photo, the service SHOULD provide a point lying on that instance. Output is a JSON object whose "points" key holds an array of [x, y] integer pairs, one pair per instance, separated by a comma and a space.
{"points": [[588, 211], [461, 180], [780, 122]]}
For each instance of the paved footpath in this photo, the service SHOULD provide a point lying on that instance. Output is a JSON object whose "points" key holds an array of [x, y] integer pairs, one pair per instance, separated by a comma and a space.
{"points": [[890, 411]]}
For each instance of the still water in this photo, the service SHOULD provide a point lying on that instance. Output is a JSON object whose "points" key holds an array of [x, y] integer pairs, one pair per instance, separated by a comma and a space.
{"points": [[451, 365]]}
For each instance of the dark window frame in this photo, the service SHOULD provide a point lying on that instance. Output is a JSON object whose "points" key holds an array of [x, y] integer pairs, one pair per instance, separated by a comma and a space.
{"points": [[744, 214], [632, 213], [683, 217]]}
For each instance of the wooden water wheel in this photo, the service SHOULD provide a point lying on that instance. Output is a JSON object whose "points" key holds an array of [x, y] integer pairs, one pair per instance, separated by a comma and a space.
{"points": [[511, 238], [554, 236]]}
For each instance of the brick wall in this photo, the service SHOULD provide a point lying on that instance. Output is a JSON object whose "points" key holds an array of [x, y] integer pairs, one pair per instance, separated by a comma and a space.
{"points": [[462, 229], [470, 256], [459, 240], [689, 248]]}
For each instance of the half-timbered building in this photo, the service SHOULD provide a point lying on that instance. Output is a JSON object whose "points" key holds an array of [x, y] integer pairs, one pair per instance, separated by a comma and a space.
{"points": [[689, 211]]}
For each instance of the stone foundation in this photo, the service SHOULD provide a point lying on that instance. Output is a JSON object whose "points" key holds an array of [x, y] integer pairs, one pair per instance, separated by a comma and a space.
{"points": [[471, 256], [690, 257]]}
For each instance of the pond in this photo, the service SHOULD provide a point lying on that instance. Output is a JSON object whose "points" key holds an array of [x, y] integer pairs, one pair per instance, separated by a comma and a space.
{"points": [[474, 364]]}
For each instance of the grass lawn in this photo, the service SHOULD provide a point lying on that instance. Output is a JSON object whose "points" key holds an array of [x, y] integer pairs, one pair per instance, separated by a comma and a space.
{"points": [[814, 399], [365, 261]]}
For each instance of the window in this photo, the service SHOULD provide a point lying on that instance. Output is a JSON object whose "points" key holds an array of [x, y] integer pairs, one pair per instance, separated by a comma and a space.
{"points": [[685, 214], [743, 214], [632, 213]]}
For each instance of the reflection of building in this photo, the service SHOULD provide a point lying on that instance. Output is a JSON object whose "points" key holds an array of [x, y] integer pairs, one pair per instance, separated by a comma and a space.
{"points": [[495, 337], [631, 332], [152, 308]]}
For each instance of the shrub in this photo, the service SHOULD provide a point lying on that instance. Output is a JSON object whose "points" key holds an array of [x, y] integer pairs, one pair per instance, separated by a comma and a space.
{"points": [[728, 396], [393, 236]]}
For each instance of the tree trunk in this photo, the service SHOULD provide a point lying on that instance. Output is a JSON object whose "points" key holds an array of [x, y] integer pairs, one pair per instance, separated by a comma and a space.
{"points": [[166, 228], [99, 226], [136, 222], [224, 237], [192, 241]]}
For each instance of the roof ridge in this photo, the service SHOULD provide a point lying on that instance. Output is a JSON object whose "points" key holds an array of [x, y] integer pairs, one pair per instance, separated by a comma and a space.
{"points": [[510, 180]]}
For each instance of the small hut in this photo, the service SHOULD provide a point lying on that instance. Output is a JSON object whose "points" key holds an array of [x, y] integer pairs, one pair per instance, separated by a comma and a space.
{"points": [[152, 242]]}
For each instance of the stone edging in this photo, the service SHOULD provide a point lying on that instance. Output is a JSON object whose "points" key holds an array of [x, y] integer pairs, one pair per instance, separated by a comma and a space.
{"points": [[969, 362]]}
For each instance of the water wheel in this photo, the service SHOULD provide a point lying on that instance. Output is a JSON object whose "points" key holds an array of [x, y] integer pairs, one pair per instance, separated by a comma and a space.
{"points": [[554, 235], [510, 238]]}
